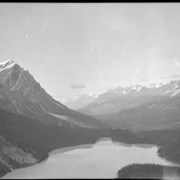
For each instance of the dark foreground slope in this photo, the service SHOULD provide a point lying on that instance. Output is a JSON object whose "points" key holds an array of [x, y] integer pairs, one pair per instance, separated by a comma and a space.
{"points": [[150, 171], [22, 135]]}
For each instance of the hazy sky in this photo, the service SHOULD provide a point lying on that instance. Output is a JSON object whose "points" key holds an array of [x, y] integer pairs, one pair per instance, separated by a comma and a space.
{"points": [[86, 48]]}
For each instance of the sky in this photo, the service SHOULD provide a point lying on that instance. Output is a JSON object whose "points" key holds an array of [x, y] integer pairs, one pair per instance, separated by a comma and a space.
{"points": [[85, 48]]}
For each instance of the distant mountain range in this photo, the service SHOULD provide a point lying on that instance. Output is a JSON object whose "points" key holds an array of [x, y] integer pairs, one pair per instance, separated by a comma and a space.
{"points": [[138, 107], [20, 93]]}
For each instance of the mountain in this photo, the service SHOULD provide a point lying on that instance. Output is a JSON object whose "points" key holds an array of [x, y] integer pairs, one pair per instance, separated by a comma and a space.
{"points": [[139, 107], [80, 102], [22, 94]]}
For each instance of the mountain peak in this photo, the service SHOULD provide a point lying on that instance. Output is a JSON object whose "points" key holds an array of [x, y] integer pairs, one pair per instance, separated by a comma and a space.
{"points": [[7, 63], [16, 79]]}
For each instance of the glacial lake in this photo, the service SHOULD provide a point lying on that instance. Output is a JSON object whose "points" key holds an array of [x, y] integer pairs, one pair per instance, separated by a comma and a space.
{"points": [[100, 160]]}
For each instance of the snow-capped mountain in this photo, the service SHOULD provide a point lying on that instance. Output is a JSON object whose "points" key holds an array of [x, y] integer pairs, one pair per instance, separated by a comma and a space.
{"points": [[154, 106], [22, 94], [117, 99], [16, 79]]}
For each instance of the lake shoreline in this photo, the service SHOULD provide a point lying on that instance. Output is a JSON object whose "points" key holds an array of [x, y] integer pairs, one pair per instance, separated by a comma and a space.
{"points": [[89, 145]]}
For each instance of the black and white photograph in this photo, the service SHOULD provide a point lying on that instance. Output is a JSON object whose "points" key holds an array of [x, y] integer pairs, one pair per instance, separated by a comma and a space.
{"points": [[90, 90]]}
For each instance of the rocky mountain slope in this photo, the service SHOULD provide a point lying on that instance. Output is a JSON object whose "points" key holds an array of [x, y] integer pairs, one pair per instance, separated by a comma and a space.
{"points": [[22, 94], [12, 157]]}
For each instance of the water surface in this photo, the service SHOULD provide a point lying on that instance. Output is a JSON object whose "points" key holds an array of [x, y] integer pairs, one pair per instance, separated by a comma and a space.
{"points": [[101, 160]]}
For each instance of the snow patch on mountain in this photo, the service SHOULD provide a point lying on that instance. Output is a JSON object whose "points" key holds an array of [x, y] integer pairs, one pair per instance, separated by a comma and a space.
{"points": [[69, 119]]}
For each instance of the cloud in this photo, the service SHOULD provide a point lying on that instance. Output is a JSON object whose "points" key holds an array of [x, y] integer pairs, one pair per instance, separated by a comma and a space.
{"points": [[77, 86]]}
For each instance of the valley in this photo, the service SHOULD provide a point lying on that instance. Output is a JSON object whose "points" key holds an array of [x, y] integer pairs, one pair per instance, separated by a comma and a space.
{"points": [[32, 123]]}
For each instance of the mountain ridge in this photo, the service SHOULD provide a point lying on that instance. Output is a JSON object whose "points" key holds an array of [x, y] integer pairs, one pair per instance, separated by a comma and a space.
{"points": [[113, 96], [27, 97]]}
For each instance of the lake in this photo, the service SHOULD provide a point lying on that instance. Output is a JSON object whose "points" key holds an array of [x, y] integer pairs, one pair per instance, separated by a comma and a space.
{"points": [[100, 160]]}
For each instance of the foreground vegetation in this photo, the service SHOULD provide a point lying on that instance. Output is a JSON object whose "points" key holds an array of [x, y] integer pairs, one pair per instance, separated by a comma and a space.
{"points": [[38, 138], [167, 140], [149, 171], [169, 148]]}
